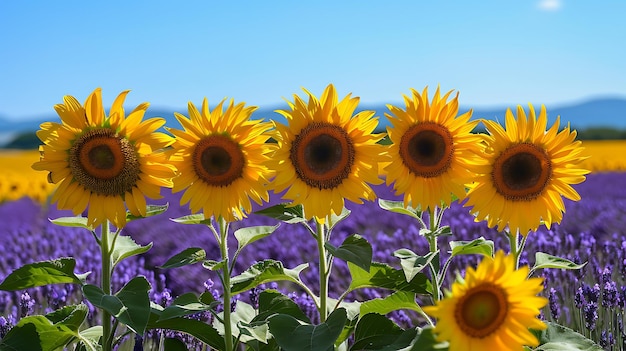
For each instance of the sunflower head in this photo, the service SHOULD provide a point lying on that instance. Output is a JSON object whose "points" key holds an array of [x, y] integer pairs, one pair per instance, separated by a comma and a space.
{"points": [[434, 148], [104, 163], [221, 158], [326, 153], [491, 309], [526, 172]]}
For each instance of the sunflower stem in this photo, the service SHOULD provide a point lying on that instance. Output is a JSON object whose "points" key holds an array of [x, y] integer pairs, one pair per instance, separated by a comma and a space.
{"points": [[432, 243], [323, 269], [517, 246], [228, 332], [107, 337]]}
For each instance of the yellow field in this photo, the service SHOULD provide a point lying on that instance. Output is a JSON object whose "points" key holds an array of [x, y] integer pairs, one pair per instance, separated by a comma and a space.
{"points": [[18, 179]]}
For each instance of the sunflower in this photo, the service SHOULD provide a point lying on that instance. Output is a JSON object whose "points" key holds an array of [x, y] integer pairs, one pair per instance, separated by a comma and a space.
{"points": [[104, 163], [326, 154], [221, 159], [434, 148], [491, 309], [526, 172]]}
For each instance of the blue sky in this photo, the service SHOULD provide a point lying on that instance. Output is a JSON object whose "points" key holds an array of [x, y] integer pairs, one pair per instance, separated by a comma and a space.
{"points": [[495, 53]]}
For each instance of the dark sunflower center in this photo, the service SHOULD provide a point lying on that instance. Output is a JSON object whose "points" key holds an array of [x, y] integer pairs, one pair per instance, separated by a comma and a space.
{"points": [[481, 311], [218, 160], [426, 149], [104, 162], [522, 172], [323, 155]]}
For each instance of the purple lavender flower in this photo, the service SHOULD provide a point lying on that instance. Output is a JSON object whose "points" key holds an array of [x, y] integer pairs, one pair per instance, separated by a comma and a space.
{"points": [[555, 310]]}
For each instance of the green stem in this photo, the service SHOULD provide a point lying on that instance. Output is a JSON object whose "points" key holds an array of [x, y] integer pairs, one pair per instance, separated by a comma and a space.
{"points": [[517, 246], [323, 269], [228, 332], [432, 244], [107, 336]]}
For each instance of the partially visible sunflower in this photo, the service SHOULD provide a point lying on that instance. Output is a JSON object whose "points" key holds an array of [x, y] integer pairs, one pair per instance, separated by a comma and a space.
{"points": [[525, 172], [325, 154], [221, 160], [433, 149], [104, 163], [491, 309]]}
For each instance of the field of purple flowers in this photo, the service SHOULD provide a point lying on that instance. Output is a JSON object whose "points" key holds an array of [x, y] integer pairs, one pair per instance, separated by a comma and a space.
{"points": [[590, 300]]}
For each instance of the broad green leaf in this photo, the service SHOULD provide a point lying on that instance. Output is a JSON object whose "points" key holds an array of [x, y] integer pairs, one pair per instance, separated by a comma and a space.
{"points": [[292, 335], [240, 321], [398, 207], [200, 330], [248, 235], [126, 247], [284, 212], [399, 300], [384, 276], [355, 249], [559, 338], [543, 260], [131, 305], [173, 344], [90, 338], [59, 271], [477, 246], [184, 258], [376, 332], [272, 302], [151, 210], [185, 305], [265, 272], [76, 221], [41, 333], [413, 263], [197, 218], [334, 219], [426, 342]]}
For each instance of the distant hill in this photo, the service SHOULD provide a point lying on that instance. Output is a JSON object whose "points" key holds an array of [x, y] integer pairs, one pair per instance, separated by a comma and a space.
{"points": [[593, 113]]}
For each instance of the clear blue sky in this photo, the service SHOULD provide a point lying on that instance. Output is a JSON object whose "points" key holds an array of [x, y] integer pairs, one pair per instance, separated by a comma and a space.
{"points": [[169, 52]]}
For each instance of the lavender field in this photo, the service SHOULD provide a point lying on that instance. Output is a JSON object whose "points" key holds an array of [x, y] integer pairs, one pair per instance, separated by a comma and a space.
{"points": [[590, 301]]}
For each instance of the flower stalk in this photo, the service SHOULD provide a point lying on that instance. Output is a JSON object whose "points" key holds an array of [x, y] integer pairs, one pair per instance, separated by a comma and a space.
{"points": [[324, 269], [107, 330], [228, 332]]}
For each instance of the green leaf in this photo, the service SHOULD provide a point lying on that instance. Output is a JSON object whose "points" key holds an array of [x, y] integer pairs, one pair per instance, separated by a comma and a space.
{"points": [[77, 221], [151, 210], [197, 218], [246, 236], [426, 342], [413, 263], [265, 272], [284, 212], [90, 338], [200, 330], [272, 302], [559, 338], [477, 246], [240, 321], [59, 271], [126, 247], [399, 300], [213, 265], [543, 260], [131, 305], [185, 305], [384, 276], [41, 333], [334, 219], [398, 207], [173, 344], [377, 332], [292, 335], [184, 258], [355, 249]]}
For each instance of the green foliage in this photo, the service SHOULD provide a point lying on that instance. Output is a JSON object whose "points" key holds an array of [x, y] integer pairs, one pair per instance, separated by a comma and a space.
{"points": [[354, 249], [384, 276], [59, 271], [186, 257], [560, 338], [292, 334], [477, 246], [543, 260], [265, 272], [413, 263]]}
